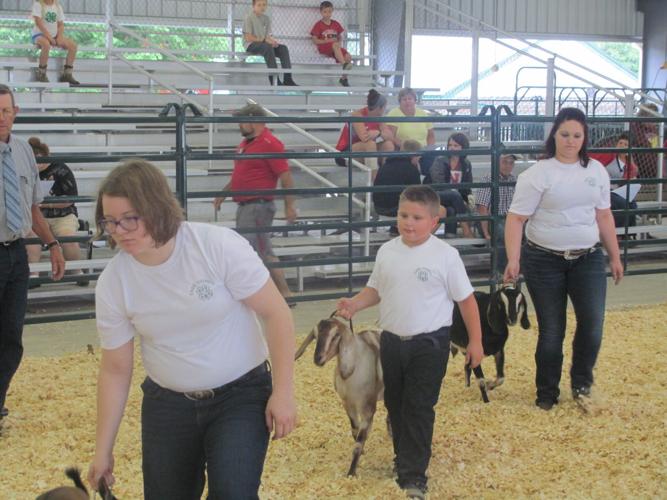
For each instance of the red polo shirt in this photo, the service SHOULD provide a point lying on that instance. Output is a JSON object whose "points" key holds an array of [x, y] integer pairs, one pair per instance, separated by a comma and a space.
{"points": [[253, 173]]}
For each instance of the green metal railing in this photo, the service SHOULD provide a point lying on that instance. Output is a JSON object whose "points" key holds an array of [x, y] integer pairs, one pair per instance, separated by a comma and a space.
{"points": [[182, 154]]}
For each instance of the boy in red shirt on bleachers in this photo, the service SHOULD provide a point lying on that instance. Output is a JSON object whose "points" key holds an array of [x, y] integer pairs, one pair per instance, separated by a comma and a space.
{"points": [[327, 37]]}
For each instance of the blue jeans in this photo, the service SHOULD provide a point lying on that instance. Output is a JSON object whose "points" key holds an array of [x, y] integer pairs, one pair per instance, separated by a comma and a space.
{"points": [[226, 436], [412, 371], [14, 274], [551, 280], [452, 199]]}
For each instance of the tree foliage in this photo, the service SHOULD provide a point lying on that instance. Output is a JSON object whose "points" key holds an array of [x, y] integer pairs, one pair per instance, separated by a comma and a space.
{"points": [[626, 55]]}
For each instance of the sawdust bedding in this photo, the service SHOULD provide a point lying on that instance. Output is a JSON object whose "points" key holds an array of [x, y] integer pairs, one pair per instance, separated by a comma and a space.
{"points": [[505, 449]]}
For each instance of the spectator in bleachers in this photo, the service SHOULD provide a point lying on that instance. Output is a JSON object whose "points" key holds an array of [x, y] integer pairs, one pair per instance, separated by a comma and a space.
{"points": [[251, 174], [326, 36], [505, 194], [369, 137], [619, 167], [201, 305], [396, 171], [421, 132], [61, 217], [454, 169], [259, 40], [49, 31]]}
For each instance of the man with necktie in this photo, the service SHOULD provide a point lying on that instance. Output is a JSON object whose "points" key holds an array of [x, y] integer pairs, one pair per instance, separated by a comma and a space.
{"points": [[20, 196]]}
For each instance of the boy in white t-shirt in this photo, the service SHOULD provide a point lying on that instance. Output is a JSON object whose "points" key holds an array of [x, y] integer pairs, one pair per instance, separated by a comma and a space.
{"points": [[416, 280], [49, 32]]}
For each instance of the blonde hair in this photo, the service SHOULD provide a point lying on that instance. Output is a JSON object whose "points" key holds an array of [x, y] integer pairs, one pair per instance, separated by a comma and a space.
{"points": [[43, 5], [147, 190]]}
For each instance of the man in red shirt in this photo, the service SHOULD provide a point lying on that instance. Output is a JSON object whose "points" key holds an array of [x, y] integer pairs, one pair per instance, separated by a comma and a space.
{"points": [[327, 37], [256, 174]]}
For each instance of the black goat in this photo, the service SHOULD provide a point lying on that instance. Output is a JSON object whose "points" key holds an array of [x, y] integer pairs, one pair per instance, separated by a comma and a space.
{"points": [[78, 491], [497, 311]]}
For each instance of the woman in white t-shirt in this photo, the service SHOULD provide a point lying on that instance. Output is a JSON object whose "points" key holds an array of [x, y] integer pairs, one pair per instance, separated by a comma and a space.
{"points": [[565, 201], [190, 293], [49, 31]]}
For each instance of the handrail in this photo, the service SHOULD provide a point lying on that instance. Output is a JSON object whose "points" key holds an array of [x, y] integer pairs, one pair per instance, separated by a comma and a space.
{"points": [[162, 51], [172, 89], [533, 45]]}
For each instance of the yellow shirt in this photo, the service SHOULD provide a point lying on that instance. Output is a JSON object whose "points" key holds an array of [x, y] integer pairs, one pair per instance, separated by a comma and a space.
{"points": [[415, 131]]}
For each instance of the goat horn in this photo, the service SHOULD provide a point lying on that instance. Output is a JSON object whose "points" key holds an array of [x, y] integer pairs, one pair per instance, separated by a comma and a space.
{"points": [[304, 344]]}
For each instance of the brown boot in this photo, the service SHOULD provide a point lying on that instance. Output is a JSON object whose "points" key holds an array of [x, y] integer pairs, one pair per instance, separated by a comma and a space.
{"points": [[40, 74], [67, 77]]}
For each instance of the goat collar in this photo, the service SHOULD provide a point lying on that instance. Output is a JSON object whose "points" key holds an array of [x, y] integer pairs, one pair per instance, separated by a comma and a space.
{"points": [[336, 315]]}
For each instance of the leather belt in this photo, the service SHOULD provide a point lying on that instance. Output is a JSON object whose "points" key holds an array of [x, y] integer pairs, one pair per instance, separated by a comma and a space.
{"points": [[440, 332], [255, 200], [10, 243], [565, 254], [211, 393]]}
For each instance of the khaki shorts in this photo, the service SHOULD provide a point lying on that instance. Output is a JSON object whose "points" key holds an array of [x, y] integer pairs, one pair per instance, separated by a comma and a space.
{"points": [[63, 226], [257, 213]]}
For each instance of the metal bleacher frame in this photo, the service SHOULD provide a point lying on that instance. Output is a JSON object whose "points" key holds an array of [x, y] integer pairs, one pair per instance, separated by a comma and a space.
{"points": [[351, 261]]}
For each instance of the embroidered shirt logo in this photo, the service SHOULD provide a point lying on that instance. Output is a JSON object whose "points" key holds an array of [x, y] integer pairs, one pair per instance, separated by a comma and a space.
{"points": [[50, 17], [422, 274], [590, 181], [202, 289]]}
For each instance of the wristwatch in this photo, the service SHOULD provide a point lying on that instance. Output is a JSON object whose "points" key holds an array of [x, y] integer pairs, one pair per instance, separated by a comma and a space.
{"points": [[50, 245]]}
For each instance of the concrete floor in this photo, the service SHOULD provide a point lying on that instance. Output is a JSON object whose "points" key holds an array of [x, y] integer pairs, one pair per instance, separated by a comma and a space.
{"points": [[56, 339]]}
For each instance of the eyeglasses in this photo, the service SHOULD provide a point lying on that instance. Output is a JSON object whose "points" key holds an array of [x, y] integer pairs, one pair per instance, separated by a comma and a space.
{"points": [[128, 223]]}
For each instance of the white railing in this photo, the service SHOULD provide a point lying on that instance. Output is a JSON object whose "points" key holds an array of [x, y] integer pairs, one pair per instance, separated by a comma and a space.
{"points": [[474, 24]]}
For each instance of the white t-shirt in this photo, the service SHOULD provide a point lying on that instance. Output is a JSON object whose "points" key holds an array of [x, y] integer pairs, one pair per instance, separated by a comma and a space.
{"points": [[195, 332], [560, 200], [50, 14], [417, 285]]}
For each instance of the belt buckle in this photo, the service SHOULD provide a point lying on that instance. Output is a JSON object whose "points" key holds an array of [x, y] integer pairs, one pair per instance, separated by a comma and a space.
{"points": [[200, 395], [570, 255]]}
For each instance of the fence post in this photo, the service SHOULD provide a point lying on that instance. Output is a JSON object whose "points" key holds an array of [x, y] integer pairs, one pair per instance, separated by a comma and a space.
{"points": [[181, 159], [495, 176]]}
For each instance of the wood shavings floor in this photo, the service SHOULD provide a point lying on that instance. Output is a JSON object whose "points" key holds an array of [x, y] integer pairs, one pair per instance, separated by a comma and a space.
{"points": [[506, 449]]}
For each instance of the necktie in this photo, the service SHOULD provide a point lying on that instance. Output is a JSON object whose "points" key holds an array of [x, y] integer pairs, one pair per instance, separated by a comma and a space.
{"points": [[12, 193]]}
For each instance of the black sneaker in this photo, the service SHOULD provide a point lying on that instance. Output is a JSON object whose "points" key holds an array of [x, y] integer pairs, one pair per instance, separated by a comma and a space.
{"points": [[582, 396], [545, 404], [344, 82], [415, 491]]}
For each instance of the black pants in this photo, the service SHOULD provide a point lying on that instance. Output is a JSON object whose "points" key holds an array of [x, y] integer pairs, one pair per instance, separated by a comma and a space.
{"points": [[14, 274], [269, 53], [620, 203], [413, 371]]}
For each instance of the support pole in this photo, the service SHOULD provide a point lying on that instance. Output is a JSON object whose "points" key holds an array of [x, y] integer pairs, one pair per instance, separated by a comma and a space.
{"points": [[407, 44]]}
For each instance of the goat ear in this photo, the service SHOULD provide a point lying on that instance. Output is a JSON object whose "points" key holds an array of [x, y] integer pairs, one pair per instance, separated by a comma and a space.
{"points": [[346, 352], [525, 324], [496, 313], [304, 344]]}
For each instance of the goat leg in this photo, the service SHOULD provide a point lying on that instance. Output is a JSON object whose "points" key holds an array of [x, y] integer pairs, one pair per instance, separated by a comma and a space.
{"points": [[500, 370], [479, 375], [358, 450], [467, 370]]}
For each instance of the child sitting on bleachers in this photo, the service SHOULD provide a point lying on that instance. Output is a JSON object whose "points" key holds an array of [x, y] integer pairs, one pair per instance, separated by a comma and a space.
{"points": [[259, 40], [327, 37], [49, 32]]}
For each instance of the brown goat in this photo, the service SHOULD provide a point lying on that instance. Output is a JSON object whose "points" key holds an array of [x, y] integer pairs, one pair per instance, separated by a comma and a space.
{"points": [[358, 375]]}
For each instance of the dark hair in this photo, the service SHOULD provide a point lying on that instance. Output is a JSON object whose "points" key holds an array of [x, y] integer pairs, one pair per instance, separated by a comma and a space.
{"points": [[375, 100], [564, 115], [147, 190], [423, 195], [462, 140], [623, 136], [38, 147], [326, 5], [5, 90]]}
